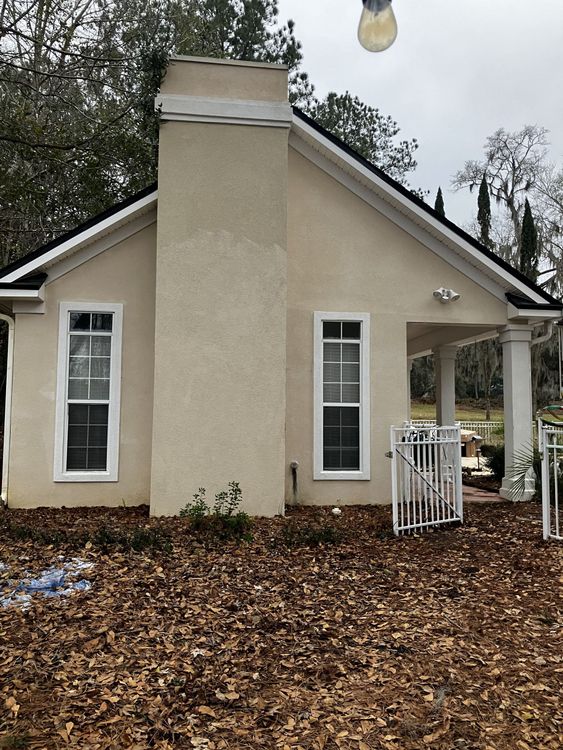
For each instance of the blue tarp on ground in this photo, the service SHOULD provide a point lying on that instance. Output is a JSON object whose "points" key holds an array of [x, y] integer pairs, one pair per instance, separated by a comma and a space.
{"points": [[58, 580]]}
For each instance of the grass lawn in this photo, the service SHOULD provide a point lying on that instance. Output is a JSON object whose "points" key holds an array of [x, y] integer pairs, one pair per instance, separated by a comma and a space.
{"points": [[463, 413], [450, 641]]}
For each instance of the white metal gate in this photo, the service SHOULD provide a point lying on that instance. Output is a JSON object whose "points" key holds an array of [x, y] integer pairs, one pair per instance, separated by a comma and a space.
{"points": [[551, 449], [427, 488]]}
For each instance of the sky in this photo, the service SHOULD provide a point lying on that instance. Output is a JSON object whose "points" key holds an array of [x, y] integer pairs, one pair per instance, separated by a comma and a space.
{"points": [[458, 71]]}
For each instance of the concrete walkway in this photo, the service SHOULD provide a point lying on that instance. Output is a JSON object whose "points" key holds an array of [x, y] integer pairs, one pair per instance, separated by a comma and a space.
{"points": [[475, 495]]}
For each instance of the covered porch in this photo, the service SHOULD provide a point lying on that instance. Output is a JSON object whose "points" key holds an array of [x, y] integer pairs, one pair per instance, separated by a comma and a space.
{"points": [[521, 332]]}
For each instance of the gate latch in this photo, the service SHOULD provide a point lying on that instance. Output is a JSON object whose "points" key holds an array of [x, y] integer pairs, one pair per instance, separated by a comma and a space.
{"points": [[389, 454]]}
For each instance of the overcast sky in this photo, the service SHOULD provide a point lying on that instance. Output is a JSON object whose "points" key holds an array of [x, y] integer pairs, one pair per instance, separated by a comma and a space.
{"points": [[459, 70]]}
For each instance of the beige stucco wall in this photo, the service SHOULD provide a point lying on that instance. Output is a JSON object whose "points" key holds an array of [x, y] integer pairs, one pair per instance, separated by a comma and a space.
{"points": [[225, 79], [343, 256], [124, 274], [221, 305]]}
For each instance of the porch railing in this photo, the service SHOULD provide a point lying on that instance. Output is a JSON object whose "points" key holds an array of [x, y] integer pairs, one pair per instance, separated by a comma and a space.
{"points": [[491, 432]]}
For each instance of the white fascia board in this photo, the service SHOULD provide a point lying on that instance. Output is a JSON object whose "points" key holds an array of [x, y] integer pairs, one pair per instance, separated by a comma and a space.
{"points": [[224, 111], [536, 316], [85, 238], [30, 295], [409, 209]]}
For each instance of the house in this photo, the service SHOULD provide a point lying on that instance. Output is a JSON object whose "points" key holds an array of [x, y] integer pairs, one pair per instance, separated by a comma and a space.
{"points": [[261, 308]]}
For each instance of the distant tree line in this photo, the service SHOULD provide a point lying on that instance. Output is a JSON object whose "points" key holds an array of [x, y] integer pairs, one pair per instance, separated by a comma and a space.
{"points": [[526, 231]]}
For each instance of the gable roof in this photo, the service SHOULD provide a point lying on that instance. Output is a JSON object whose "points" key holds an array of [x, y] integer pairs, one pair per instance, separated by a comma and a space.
{"points": [[524, 294]]}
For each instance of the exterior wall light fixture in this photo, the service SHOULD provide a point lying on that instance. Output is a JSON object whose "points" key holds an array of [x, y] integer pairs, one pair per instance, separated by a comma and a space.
{"points": [[446, 295], [378, 26]]}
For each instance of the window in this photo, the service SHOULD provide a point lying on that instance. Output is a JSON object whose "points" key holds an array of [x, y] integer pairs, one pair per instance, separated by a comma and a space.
{"points": [[88, 393], [342, 426]]}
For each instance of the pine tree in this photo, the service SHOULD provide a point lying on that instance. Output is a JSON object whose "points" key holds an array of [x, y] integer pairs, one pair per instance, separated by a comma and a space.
{"points": [[484, 214], [529, 245], [368, 131], [439, 203]]}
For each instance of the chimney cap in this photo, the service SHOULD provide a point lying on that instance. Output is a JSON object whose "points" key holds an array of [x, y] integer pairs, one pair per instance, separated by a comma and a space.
{"points": [[222, 61]]}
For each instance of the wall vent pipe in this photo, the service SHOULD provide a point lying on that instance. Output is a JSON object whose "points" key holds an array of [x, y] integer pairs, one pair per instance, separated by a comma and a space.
{"points": [[294, 466]]}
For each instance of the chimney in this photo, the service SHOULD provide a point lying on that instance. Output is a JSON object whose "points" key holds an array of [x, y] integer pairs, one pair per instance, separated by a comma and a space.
{"points": [[221, 284]]}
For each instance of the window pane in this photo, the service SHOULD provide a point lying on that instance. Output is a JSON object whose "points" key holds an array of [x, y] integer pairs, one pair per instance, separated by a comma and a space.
{"points": [[331, 372], [98, 435], [79, 367], [331, 436], [80, 321], [102, 321], [350, 393], [332, 352], [351, 373], [78, 414], [350, 352], [351, 459], [331, 392], [331, 459], [98, 413], [100, 367], [332, 330], [101, 346], [351, 416], [332, 416], [97, 459], [77, 389], [99, 390], [76, 459], [351, 330], [87, 437], [80, 345], [341, 438], [77, 436], [350, 437]]}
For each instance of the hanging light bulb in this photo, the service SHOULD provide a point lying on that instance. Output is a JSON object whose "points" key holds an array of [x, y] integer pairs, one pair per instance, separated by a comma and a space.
{"points": [[378, 27]]}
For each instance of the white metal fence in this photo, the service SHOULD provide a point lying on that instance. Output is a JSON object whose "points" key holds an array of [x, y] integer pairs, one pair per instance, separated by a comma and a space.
{"points": [[491, 432], [551, 449], [427, 488]]}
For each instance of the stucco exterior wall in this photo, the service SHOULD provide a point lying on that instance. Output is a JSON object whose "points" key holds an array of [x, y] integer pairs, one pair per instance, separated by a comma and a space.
{"points": [[221, 305], [225, 79], [343, 256], [123, 274]]}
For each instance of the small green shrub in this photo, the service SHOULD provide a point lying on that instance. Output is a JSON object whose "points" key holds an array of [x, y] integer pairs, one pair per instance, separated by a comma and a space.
{"points": [[220, 521], [494, 459], [152, 539], [197, 510], [137, 539], [310, 536]]}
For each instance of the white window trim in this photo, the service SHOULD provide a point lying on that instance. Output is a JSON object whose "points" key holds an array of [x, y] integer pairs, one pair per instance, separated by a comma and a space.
{"points": [[60, 473], [365, 455]]}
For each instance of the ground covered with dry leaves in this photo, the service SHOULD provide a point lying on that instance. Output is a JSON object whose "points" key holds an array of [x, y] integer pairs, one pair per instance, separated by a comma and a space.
{"points": [[449, 641]]}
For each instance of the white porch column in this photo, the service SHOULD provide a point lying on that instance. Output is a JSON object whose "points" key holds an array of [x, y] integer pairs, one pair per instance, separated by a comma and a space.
{"points": [[409, 396], [444, 359], [517, 375]]}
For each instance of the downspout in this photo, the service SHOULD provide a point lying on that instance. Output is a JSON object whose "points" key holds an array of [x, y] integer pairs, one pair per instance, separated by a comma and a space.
{"points": [[546, 336], [7, 409]]}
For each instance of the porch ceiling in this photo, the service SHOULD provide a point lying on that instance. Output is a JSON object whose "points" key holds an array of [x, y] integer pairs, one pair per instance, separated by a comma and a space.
{"points": [[422, 338]]}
